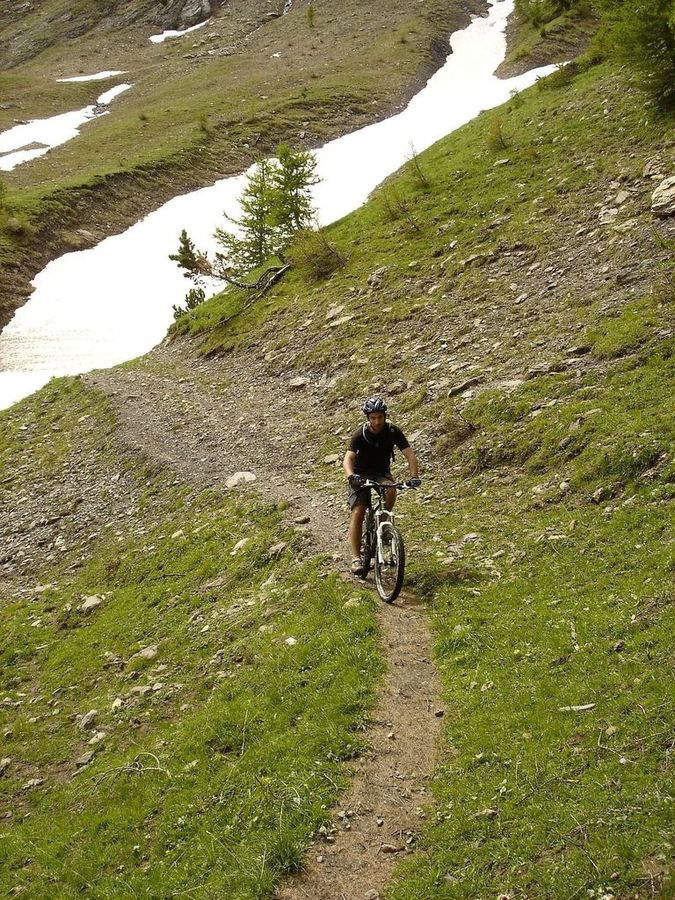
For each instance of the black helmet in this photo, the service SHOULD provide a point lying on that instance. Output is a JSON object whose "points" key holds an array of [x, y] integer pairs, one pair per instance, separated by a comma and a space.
{"points": [[374, 405]]}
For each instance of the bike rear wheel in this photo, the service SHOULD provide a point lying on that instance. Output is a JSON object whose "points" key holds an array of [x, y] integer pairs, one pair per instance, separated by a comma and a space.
{"points": [[389, 564]]}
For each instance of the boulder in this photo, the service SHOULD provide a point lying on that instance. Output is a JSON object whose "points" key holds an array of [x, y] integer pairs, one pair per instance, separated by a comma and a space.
{"points": [[396, 387], [88, 719], [276, 550], [182, 14], [375, 278], [663, 198], [90, 603], [240, 478], [607, 215], [334, 311], [194, 12], [239, 546], [652, 167]]}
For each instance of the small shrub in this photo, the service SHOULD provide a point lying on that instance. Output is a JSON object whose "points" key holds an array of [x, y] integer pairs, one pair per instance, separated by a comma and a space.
{"points": [[561, 78], [420, 176], [496, 138], [314, 256], [396, 207], [143, 117], [311, 15], [532, 10], [204, 126], [193, 298]]}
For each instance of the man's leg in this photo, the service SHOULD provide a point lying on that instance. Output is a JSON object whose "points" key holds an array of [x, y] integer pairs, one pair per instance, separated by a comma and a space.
{"points": [[356, 529], [390, 496]]}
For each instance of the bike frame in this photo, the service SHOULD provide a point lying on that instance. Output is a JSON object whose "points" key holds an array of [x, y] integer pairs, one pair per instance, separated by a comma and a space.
{"points": [[383, 518]]}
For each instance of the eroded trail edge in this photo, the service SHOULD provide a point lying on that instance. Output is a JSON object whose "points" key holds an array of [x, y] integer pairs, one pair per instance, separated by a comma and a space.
{"points": [[206, 423]]}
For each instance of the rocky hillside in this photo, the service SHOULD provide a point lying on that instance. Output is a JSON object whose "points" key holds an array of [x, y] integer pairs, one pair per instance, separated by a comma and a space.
{"points": [[189, 687]]}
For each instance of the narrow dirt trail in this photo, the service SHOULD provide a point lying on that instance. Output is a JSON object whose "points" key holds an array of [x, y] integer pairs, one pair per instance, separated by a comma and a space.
{"points": [[179, 412]]}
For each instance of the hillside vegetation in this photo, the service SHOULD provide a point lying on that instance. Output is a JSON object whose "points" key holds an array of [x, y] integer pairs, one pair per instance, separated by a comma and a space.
{"points": [[530, 333], [512, 294]]}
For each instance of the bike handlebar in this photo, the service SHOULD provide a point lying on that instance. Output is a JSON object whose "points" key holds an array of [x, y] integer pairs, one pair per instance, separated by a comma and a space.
{"points": [[399, 485]]}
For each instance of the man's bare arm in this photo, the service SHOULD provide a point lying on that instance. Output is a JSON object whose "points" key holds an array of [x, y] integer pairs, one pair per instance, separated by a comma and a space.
{"points": [[409, 454], [348, 463]]}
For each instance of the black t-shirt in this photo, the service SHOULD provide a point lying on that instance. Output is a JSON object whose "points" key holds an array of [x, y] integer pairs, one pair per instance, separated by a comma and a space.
{"points": [[373, 452]]}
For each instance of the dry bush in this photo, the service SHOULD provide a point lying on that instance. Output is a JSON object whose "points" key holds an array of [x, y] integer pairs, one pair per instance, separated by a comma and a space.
{"points": [[314, 256]]}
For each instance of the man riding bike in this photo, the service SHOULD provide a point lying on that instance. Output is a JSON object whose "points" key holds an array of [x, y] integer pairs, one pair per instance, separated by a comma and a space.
{"points": [[369, 456]]}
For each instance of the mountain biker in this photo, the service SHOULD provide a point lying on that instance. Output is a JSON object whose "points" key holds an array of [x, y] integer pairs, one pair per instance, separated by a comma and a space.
{"points": [[369, 456]]}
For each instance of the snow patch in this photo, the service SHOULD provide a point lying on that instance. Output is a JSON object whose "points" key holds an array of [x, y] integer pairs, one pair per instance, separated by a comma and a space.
{"points": [[160, 38], [49, 133], [97, 76]]}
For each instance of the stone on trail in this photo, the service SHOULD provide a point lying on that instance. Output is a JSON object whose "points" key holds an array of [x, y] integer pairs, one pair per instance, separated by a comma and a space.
{"points": [[240, 478], [149, 652], [238, 546], [331, 459], [301, 520], [90, 603], [663, 198], [5, 763]]}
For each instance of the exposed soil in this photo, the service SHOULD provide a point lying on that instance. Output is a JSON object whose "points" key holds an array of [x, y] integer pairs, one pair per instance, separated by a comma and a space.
{"points": [[178, 412]]}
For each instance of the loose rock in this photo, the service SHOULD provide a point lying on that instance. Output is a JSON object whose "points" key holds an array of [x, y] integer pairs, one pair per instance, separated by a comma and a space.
{"points": [[88, 719], [240, 478], [91, 603], [663, 198]]}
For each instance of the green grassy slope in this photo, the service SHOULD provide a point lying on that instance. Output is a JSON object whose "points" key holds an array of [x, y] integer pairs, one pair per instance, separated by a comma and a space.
{"points": [[209, 765], [535, 348]]}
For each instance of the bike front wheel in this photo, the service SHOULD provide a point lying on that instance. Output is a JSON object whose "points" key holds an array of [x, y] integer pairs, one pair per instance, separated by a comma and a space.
{"points": [[389, 564], [367, 543]]}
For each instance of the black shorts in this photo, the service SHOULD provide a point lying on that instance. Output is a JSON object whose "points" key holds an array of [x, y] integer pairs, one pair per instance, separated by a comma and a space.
{"points": [[361, 496]]}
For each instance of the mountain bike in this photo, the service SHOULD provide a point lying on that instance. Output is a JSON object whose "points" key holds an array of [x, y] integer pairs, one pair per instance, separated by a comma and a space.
{"points": [[382, 541]]}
